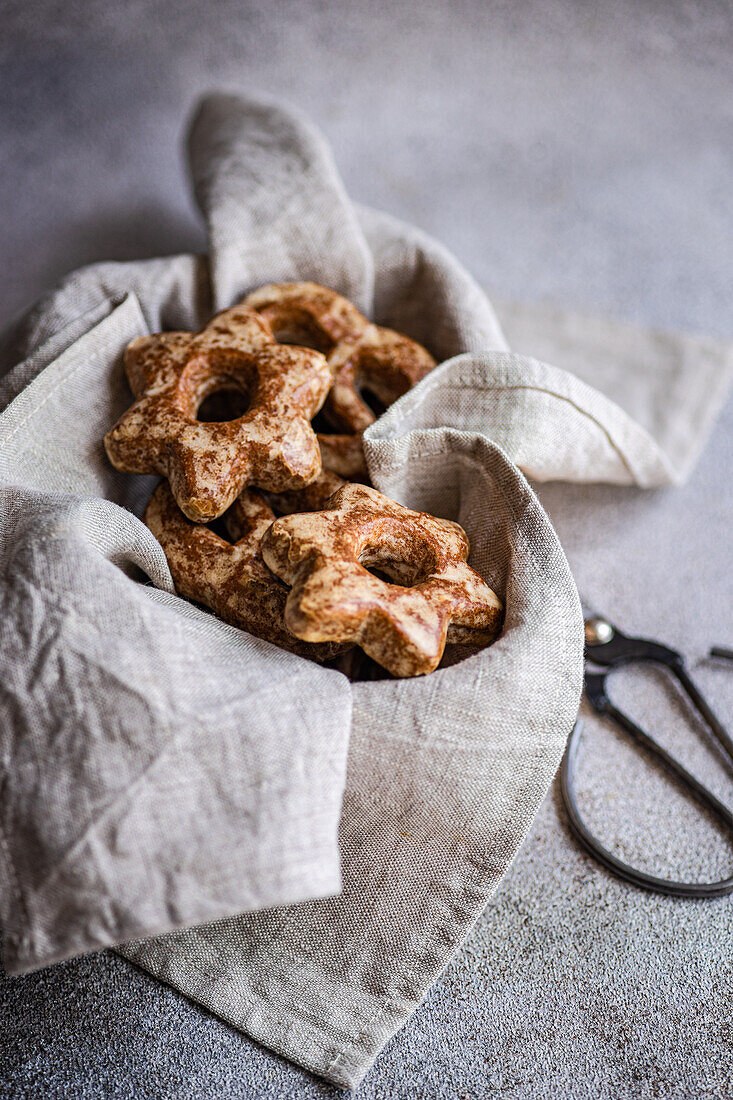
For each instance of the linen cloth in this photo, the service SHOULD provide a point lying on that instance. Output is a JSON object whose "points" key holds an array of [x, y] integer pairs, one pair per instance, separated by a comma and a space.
{"points": [[176, 796]]}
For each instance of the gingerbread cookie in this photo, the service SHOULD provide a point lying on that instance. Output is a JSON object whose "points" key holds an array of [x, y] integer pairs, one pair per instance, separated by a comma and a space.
{"points": [[208, 463], [393, 581], [365, 360], [230, 578]]}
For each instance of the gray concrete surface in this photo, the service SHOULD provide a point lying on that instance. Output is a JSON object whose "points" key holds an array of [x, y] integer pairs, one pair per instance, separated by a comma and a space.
{"points": [[567, 152], [564, 150]]}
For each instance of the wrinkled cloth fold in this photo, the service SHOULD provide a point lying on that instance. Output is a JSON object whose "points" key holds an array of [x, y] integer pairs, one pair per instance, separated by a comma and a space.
{"points": [[306, 853]]}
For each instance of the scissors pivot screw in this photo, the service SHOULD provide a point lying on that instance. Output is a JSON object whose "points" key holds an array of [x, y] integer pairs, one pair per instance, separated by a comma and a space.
{"points": [[598, 631]]}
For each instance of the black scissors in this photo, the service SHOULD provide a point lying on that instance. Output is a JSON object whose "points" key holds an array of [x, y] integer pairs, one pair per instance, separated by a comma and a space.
{"points": [[609, 649]]}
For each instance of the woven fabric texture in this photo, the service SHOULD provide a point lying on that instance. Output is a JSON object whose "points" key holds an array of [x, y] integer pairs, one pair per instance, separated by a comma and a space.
{"points": [[168, 776]]}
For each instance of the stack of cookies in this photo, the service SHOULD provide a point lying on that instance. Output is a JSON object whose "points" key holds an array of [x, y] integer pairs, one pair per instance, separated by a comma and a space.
{"points": [[266, 516]]}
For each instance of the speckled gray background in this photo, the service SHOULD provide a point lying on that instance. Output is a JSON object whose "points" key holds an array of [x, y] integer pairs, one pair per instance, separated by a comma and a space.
{"points": [[568, 152]]}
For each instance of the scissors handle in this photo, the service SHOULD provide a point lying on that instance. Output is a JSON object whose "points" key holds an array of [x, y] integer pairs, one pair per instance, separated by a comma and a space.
{"points": [[620, 651]]}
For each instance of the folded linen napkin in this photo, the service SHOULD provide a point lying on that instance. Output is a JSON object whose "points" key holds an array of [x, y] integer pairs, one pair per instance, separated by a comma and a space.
{"points": [[161, 769]]}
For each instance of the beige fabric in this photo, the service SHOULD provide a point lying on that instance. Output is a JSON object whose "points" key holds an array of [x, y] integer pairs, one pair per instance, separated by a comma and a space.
{"points": [[161, 769], [672, 384]]}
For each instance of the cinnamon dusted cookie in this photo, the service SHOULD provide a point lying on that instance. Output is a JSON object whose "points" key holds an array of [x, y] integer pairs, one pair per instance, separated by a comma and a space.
{"points": [[366, 361], [396, 582], [208, 463], [230, 578]]}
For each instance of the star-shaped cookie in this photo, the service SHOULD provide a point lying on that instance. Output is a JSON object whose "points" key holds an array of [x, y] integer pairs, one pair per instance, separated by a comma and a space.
{"points": [[208, 463], [371, 366], [395, 582], [230, 578]]}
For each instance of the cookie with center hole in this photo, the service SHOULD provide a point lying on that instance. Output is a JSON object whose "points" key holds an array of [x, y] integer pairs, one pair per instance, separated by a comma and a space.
{"points": [[208, 462], [228, 575], [394, 581], [371, 366]]}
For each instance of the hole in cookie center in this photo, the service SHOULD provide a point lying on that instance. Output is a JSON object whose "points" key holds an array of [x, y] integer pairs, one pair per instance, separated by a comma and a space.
{"points": [[379, 383], [382, 575], [220, 527], [405, 572], [227, 402], [372, 400], [322, 424], [295, 327]]}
